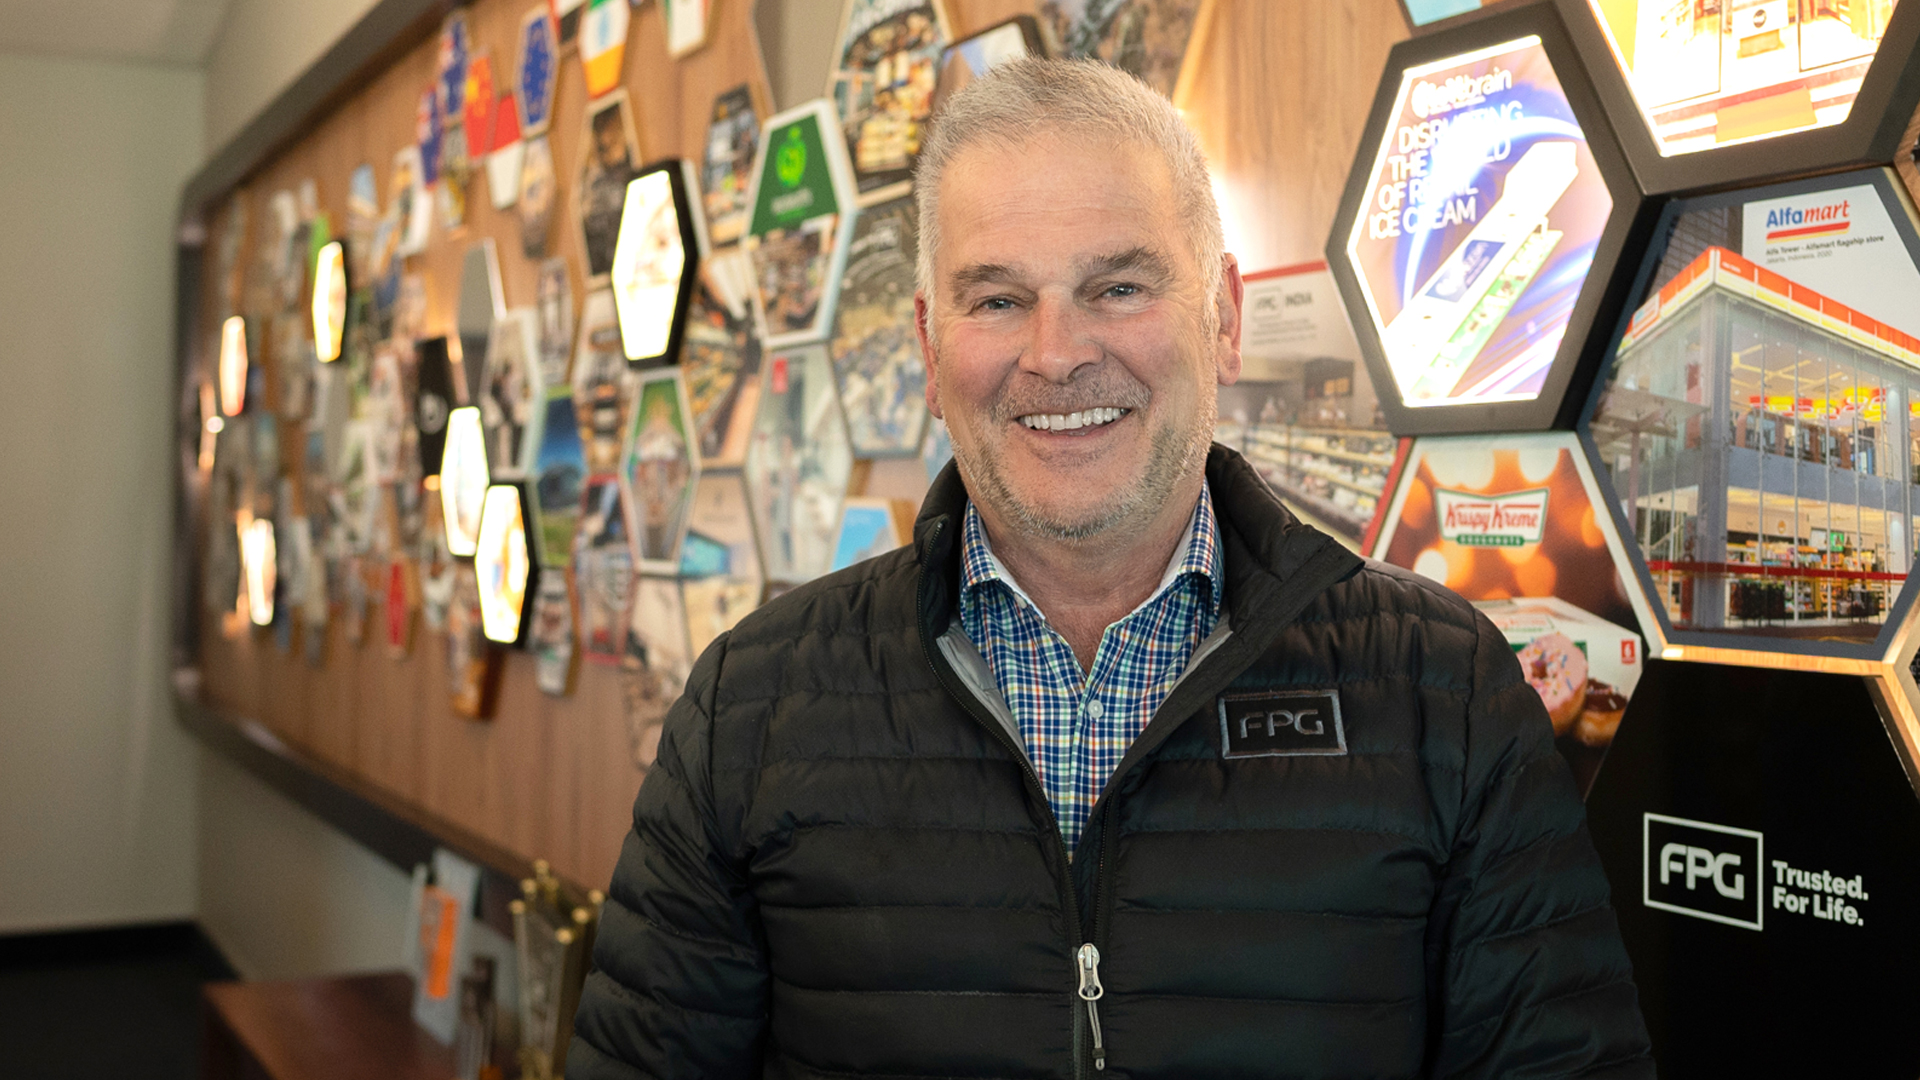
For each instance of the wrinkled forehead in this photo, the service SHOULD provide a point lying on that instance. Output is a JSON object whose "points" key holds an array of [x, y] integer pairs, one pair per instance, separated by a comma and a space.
{"points": [[1055, 195]]}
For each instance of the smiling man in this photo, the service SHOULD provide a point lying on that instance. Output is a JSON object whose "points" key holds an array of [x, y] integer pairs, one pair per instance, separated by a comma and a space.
{"points": [[1119, 769]]}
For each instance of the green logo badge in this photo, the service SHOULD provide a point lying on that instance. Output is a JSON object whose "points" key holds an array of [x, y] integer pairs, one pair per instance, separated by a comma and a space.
{"points": [[790, 161]]}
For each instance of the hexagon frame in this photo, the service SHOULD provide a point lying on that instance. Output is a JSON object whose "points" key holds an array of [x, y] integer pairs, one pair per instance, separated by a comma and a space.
{"points": [[683, 188], [777, 516], [1663, 639], [482, 302], [464, 458], [1602, 297], [1870, 135], [500, 497], [665, 387]]}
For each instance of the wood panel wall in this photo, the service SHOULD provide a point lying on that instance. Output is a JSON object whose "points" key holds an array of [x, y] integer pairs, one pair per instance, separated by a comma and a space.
{"points": [[1278, 97]]}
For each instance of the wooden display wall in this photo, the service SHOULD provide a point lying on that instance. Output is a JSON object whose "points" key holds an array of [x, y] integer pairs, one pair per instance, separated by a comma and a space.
{"points": [[1278, 96]]}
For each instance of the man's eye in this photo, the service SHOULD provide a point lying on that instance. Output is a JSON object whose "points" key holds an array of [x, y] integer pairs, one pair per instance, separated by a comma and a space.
{"points": [[996, 303], [1123, 291]]}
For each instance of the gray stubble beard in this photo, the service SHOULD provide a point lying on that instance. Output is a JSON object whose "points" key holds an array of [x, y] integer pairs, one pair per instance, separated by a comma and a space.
{"points": [[1168, 464]]}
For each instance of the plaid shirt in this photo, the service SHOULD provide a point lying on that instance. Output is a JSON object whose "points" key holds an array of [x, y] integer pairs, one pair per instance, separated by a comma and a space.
{"points": [[1077, 726]]}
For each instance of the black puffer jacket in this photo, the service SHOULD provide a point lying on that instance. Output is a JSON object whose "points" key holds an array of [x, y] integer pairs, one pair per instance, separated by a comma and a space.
{"points": [[842, 864]]}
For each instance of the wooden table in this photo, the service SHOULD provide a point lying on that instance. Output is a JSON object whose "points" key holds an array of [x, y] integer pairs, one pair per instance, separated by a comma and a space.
{"points": [[356, 1027]]}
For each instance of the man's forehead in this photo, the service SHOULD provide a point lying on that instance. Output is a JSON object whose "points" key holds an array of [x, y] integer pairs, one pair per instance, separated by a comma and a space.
{"points": [[1147, 260]]}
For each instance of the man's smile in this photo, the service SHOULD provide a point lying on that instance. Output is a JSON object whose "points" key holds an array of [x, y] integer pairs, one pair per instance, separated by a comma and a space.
{"points": [[1097, 417]]}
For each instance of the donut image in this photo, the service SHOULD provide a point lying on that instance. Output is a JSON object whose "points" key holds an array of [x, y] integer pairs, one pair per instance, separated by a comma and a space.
{"points": [[1557, 670], [1601, 716]]}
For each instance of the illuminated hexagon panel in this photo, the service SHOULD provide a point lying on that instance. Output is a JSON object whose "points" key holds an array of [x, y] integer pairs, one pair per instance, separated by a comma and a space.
{"points": [[1704, 92], [1759, 423], [329, 301], [463, 480], [504, 566], [1475, 244], [656, 259]]}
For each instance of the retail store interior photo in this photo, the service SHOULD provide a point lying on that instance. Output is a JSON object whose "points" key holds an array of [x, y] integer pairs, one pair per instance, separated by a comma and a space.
{"points": [[404, 395]]}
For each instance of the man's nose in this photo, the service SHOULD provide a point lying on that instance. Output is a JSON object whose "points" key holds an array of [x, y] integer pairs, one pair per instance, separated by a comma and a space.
{"points": [[1061, 343]]}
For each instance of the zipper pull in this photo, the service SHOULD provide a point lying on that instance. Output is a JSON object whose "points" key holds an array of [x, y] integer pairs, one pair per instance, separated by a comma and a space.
{"points": [[1088, 968]]}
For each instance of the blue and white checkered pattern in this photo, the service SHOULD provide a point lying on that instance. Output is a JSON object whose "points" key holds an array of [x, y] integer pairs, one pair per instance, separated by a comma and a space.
{"points": [[1078, 726]]}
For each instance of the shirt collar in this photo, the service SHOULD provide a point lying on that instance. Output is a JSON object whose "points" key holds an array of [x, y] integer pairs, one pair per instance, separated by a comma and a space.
{"points": [[1198, 555]]}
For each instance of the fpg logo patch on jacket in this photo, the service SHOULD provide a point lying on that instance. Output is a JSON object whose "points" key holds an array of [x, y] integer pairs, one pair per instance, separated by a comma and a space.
{"points": [[1281, 723]]}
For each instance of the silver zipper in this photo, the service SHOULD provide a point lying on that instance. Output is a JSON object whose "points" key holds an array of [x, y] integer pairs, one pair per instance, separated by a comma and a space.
{"points": [[1088, 967]]}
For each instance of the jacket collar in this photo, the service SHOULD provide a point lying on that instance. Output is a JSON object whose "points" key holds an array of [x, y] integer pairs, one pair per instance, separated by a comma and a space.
{"points": [[1263, 546]]}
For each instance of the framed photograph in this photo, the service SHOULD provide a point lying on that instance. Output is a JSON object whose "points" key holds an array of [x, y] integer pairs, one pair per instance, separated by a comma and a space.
{"points": [[655, 261], [537, 69], [876, 353], [720, 359], [358, 492], [870, 527], [719, 561], [658, 468], [798, 465], [689, 25], [506, 155], [603, 43], [559, 478], [973, 56], [609, 160], [433, 401], [602, 569], [429, 135], [477, 109], [802, 222], [655, 667], [602, 390], [539, 193], [401, 602], [437, 580], [409, 205], [553, 296], [514, 391], [473, 664], [504, 566], [886, 62], [363, 219], [726, 174], [1149, 39], [552, 636], [464, 480], [386, 414], [566, 19], [482, 301]]}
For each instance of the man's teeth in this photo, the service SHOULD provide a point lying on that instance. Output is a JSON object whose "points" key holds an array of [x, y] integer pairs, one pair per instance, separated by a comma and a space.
{"points": [[1071, 421]]}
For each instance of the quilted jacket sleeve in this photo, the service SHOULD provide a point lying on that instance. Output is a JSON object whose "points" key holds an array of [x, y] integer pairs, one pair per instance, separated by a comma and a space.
{"points": [[679, 986], [1532, 977]]}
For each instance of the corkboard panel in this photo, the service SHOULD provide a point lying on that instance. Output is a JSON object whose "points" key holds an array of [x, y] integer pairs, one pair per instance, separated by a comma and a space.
{"points": [[1277, 92]]}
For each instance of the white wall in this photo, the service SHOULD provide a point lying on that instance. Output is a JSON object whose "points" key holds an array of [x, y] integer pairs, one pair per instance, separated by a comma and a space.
{"points": [[96, 778], [263, 46]]}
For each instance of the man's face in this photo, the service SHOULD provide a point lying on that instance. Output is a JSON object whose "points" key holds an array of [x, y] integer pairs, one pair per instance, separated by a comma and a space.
{"points": [[1069, 348]]}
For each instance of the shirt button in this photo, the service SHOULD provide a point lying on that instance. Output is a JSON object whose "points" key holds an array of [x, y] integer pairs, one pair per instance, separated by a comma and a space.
{"points": [[1094, 709]]}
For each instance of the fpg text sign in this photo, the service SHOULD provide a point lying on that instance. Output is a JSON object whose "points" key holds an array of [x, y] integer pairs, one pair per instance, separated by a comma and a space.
{"points": [[1708, 871]]}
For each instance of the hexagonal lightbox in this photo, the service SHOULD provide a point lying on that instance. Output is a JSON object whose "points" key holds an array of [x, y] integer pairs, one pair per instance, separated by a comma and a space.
{"points": [[1476, 240], [504, 567], [662, 240], [1756, 425], [464, 480], [1707, 94]]}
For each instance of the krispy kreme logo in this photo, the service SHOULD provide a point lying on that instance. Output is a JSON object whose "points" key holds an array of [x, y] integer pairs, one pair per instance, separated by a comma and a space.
{"points": [[1509, 520]]}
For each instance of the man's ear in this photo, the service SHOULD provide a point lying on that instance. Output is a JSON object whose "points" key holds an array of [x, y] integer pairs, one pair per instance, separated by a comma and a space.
{"points": [[1231, 307], [921, 316]]}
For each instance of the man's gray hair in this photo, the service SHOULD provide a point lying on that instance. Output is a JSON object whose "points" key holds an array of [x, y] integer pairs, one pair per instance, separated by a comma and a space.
{"points": [[1083, 99]]}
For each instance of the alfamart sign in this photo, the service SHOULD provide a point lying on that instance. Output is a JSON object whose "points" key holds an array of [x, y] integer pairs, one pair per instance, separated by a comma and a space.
{"points": [[1510, 520]]}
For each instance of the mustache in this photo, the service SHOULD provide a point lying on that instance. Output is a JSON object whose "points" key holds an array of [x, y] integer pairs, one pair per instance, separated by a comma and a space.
{"points": [[1027, 394]]}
